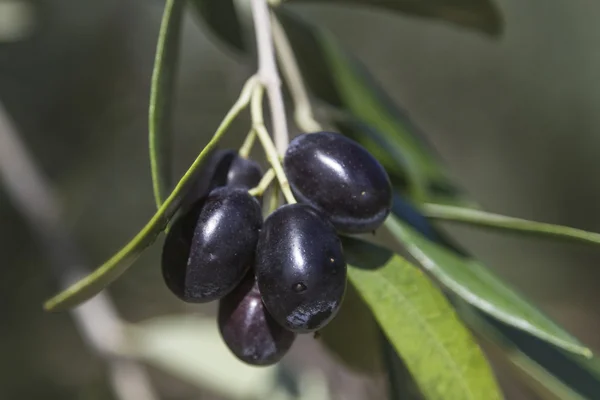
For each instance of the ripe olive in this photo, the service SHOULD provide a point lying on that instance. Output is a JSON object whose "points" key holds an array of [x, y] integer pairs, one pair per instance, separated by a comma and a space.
{"points": [[211, 175], [249, 331], [244, 172], [208, 263], [300, 268], [341, 178]]}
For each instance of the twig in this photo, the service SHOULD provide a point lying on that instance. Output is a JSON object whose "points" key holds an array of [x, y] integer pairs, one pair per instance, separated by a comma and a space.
{"points": [[303, 113], [263, 184], [267, 73], [271, 152], [246, 148], [97, 319]]}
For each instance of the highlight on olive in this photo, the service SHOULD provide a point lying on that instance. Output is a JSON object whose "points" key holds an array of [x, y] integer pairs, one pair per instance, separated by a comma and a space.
{"points": [[339, 177], [220, 250], [300, 268]]}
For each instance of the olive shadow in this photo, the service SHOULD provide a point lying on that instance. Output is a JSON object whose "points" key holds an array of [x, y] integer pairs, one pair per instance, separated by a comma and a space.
{"points": [[364, 255]]}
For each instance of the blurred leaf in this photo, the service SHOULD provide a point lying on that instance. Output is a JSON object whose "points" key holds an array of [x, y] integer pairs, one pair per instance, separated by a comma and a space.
{"points": [[161, 98], [514, 225], [192, 349], [477, 285], [548, 370], [481, 15], [354, 324], [222, 19], [93, 283], [438, 350], [343, 83]]}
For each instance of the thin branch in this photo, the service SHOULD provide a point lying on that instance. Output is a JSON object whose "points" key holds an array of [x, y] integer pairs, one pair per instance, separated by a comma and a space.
{"points": [[268, 74], [258, 123], [97, 320], [303, 113], [263, 184]]}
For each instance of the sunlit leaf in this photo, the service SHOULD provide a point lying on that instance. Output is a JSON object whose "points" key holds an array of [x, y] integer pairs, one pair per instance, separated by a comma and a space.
{"points": [[438, 350], [476, 284], [546, 369], [502, 222], [340, 81], [93, 283], [481, 15], [161, 98], [222, 19], [191, 348]]}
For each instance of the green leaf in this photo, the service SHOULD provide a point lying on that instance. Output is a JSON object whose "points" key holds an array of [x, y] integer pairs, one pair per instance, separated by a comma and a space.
{"points": [[358, 103], [481, 15], [161, 98], [546, 369], [477, 285], [501, 222], [93, 283], [222, 19], [438, 350]]}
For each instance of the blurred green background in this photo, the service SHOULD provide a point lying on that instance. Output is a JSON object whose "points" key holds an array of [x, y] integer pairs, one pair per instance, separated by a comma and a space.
{"points": [[514, 118]]}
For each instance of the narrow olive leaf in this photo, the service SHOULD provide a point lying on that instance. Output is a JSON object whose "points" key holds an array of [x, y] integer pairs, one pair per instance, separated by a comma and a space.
{"points": [[485, 219], [549, 371], [438, 350], [481, 15], [161, 98], [222, 19], [340, 81], [93, 283], [192, 349], [476, 284]]}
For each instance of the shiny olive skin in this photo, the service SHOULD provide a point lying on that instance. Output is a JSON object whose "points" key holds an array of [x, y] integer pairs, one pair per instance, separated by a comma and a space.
{"points": [[212, 174], [244, 172], [341, 178], [300, 268], [248, 330], [209, 263]]}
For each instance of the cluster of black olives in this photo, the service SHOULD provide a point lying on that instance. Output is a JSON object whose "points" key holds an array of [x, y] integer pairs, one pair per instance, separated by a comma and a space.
{"points": [[287, 275]]}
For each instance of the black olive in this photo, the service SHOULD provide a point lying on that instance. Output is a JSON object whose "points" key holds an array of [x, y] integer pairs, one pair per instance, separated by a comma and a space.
{"points": [[340, 178], [248, 330], [209, 262], [244, 172], [300, 268], [211, 175]]}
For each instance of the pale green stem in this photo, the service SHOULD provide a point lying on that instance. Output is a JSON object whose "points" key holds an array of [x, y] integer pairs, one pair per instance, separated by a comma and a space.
{"points": [[303, 113], [263, 184], [258, 124], [248, 144], [496, 221]]}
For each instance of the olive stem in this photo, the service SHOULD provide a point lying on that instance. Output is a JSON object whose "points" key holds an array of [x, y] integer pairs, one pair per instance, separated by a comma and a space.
{"points": [[303, 113], [258, 124], [268, 74], [263, 184], [96, 320], [248, 144]]}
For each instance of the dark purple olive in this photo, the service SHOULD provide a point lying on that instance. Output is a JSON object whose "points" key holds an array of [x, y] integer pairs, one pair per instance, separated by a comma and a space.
{"points": [[244, 172], [208, 263], [213, 173], [340, 178], [300, 268], [248, 330]]}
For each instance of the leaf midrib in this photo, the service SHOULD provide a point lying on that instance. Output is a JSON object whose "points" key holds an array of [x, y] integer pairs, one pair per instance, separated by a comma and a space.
{"points": [[449, 361]]}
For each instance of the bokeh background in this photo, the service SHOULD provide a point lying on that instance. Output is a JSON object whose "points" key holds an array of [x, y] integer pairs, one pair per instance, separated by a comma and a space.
{"points": [[514, 118]]}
